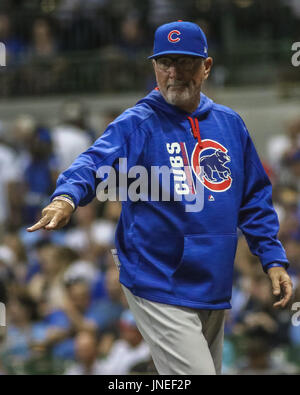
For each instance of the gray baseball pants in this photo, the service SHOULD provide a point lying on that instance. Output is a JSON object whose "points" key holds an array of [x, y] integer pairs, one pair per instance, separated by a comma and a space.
{"points": [[182, 340]]}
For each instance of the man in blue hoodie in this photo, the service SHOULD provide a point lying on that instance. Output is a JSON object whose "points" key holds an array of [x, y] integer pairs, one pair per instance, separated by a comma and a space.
{"points": [[176, 264]]}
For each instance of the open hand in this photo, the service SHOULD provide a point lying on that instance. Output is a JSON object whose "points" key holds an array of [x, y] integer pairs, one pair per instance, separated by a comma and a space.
{"points": [[281, 284]]}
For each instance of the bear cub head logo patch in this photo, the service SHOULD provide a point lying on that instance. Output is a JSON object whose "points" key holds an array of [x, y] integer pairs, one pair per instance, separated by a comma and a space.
{"points": [[211, 165]]}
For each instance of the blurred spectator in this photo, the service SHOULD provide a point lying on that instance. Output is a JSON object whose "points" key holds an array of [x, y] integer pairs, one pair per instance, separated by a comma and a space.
{"points": [[294, 134], [82, 24], [86, 356], [14, 46], [88, 272], [38, 163], [40, 173], [23, 129], [97, 316], [79, 313], [294, 165], [259, 358], [261, 334], [47, 286], [12, 241], [7, 277], [259, 310], [44, 67], [276, 147], [165, 11], [71, 7], [287, 206], [10, 174], [295, 6], [21, 313], [72, 136], [43, 44], [91, 236], [132, 41], [128, 355], [282, 147], [292, 246]]}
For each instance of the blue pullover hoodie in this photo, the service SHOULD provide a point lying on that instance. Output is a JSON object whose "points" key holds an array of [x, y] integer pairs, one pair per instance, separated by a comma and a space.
{"points": [[169, 254]]}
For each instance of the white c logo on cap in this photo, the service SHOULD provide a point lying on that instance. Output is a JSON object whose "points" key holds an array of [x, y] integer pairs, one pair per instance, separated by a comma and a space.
{"points": [[172, 33]]}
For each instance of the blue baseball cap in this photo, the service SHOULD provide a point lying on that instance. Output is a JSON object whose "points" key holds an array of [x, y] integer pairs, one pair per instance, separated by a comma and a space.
{"points": [[180, 37]]}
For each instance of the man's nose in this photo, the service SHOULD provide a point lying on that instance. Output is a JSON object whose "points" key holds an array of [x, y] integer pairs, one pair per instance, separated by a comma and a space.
{"points": [[174, 71]]}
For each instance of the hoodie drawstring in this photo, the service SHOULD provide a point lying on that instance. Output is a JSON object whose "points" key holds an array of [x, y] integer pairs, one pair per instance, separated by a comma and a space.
{"points": [[196, 130]]}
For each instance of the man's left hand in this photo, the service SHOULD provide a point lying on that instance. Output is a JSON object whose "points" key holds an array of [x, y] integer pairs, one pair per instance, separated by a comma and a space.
{"points": [[281, 284]]}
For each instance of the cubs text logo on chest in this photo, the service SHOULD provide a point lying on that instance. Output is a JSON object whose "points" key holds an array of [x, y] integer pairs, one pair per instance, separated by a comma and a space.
{"points": [[209, 164], [183, 180]]}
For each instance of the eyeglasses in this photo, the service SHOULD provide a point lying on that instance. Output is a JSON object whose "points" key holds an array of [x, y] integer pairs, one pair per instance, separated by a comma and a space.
{"points": [[184, 63]]}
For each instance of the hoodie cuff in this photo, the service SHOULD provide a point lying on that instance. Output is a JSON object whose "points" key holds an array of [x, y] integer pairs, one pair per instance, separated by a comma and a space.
{"points": [[65, 198], [275, 264]]}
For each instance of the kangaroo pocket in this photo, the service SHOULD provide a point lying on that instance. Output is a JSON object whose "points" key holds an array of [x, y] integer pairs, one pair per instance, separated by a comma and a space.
{"points": [[205, 271]]}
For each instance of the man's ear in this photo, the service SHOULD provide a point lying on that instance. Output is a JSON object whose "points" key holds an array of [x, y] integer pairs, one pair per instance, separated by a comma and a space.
{"points": [[154, 68], [208, 63]]}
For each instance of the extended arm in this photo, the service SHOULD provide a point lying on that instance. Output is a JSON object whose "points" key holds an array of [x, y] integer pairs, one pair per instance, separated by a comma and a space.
{"points": [[259, 223]]}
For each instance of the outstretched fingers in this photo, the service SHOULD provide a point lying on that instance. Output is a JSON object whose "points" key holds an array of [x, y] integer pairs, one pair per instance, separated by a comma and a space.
{"points": [[276, 286], [54, 223], [40, 224], [287, 290]]}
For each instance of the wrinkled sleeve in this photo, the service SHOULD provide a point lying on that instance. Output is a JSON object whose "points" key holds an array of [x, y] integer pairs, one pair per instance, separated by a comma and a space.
{"points": [[257, 217], [81, 179]]}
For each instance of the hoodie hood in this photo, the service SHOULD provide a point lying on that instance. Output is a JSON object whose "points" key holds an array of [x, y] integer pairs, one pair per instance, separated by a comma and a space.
{"points": [[156, 100]]}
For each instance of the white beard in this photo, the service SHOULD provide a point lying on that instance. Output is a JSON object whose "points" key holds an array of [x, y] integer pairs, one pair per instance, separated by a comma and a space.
{"points": [[181, 96], [176, 97]]}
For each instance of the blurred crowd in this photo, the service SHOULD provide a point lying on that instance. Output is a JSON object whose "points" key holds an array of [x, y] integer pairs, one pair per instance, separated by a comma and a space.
{"points": [[55, 45], [66, 312]]}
